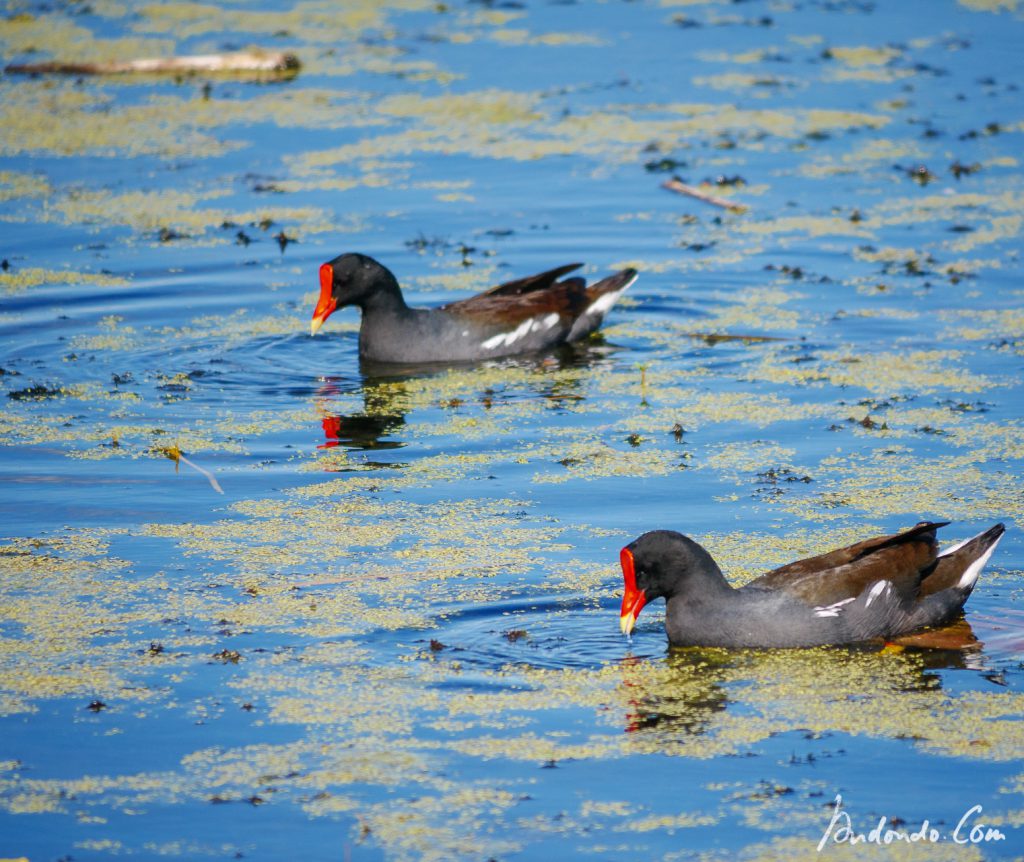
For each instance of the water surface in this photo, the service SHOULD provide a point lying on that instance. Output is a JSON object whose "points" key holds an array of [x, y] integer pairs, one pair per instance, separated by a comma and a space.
{"points": [[394, 633]]}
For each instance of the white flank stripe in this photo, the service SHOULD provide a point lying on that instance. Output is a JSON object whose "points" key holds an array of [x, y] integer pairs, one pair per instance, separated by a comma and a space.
{"points": [[877, 589], [507, 338], [831, 610]]}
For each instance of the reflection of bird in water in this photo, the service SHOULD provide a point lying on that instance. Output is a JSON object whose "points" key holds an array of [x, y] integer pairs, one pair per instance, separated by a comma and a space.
{"points": [[880, 588], [668, 702], [360, 431], [950, 647], [381, 416], [388, 390], [682, 697], [529, 314]]}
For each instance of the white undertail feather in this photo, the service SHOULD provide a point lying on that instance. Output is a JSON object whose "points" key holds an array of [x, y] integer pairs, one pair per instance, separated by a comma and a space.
{"points": [[607, 300], [604, 302], [970, 575]]}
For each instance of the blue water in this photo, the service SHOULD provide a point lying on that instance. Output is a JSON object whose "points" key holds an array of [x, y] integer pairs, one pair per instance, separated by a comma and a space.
{"points": [[394, 634]]}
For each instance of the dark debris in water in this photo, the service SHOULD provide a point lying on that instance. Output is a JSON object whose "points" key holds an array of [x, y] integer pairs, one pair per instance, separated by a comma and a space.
{"points": [[324, 565], [228, 656], [37, 392]]}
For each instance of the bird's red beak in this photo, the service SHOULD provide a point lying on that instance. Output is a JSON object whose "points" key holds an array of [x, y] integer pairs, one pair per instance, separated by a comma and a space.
{"points": [[633, 599], [326, 305]]}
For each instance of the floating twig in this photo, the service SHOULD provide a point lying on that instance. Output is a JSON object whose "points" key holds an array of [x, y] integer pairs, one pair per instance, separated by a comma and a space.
{"points": [[713, 338], [677, 185], [238, 61], [175, 454]]}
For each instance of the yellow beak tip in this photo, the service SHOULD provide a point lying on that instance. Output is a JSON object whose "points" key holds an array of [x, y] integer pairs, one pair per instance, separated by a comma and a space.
{"points": [[627, 622]]}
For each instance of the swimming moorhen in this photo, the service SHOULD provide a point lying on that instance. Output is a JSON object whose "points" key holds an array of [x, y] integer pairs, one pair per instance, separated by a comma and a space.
{"points": [[533, 313], [880, 588]]}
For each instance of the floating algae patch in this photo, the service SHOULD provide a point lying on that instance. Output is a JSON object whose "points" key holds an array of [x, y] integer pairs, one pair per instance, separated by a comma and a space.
{"points": [[875, 154], [694, 410], [315, 22], [307, 107], [770, 691], [410, 542], [142, 211], [745, 83], [983, 324], [103, 433], [452, 825], [802, 227], [186, 213], [110, 341], [387, 646], [761, 309], [468, 123], [474, 279], [65, 596], [880, 373], [167, 125], [498, 422], [239, 327], [27, 111], [22, 279], [958, 205], [733, 459], [989, 441], [596, 459], [891, 482], [17, 184], [507, 124], [891, 704], [990, 5], [62, 40]]}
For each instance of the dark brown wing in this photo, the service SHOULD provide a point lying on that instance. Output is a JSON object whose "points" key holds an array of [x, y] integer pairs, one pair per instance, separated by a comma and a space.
{"points": [[541, 281], [566, 298], [903, 559]]}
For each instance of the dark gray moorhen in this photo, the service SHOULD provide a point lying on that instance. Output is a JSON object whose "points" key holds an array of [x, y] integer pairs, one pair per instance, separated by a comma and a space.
{"points": [[879, 588], [533, 313]]}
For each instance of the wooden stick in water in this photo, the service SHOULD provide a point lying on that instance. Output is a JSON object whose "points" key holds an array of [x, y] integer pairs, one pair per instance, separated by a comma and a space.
{"points": [[678, 186], [239, 61]]}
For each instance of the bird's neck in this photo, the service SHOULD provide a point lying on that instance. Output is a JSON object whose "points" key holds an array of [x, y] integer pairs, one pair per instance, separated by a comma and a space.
{"points": [[386, 300], [712, 586], [706, 582]]}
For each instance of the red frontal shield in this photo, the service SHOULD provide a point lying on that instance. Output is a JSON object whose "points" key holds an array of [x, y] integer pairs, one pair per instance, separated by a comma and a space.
{"points": [[633, 599], [326, 305]]}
